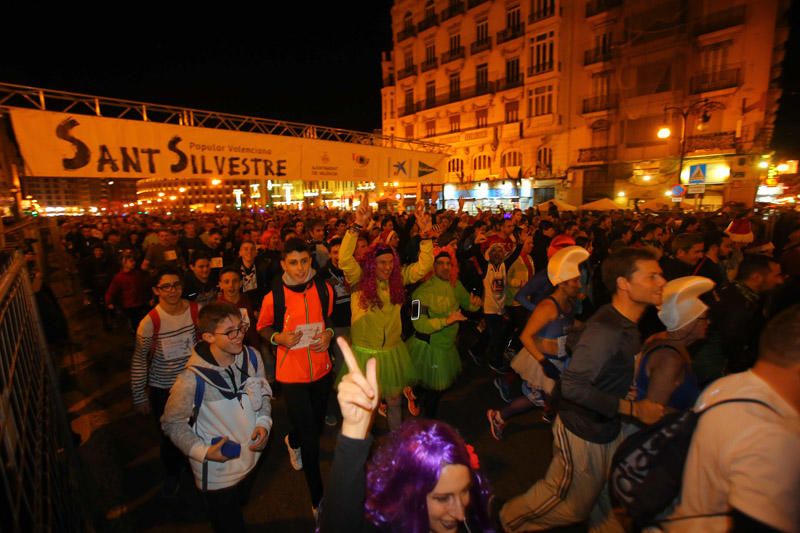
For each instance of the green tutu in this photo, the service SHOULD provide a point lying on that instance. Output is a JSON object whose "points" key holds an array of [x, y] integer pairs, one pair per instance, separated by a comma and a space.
{"points": [[395, 369], [437, 367]]}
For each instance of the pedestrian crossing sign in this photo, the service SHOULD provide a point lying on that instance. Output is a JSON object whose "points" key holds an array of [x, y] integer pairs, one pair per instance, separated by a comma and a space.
{"points": [[697, 174]]}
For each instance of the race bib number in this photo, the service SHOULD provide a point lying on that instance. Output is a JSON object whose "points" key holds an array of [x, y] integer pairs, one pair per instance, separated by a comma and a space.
{"points": [[216, 262], [173, 348], [170, 255]]}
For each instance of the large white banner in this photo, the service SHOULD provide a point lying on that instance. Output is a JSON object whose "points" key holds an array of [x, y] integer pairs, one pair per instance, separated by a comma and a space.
{"points": [[84, 146]]}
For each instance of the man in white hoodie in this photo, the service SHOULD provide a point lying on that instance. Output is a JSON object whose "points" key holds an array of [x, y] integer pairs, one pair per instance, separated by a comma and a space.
{"points": [[225, 398]]}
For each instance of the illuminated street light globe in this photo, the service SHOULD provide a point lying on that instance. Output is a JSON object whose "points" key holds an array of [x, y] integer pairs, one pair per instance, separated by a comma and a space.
{"points": [[763, 164], [664, 133]]}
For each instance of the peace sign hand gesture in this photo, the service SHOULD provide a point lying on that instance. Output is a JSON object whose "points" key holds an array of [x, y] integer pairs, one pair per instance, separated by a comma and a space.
{"points": [[358, 394]]}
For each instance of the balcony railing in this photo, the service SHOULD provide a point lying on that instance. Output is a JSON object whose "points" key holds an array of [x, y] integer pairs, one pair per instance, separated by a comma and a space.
{"points": [[599, 54], [727, 18], [593, 7], [723, 140], [388, 81], [475, 3], [406, 72], [716, 81], [510, 33], [453, 54], [409, 109], [455, 8], [480, 46], [428, 22], [542, 14], [429, 64], [405, 33], [453, 96], [540, 68], [509, 83], [599, 153], [600, 103]]}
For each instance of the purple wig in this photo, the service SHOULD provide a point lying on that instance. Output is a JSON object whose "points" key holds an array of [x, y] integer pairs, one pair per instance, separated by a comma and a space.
{"points": [[368, 285], [406, 468]]}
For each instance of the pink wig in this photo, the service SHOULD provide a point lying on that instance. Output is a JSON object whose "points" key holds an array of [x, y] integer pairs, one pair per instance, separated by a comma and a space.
{"points": [[369, 280]]}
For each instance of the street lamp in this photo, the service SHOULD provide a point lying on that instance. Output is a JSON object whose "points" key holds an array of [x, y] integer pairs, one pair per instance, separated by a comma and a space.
{"points": [[701, 107]]}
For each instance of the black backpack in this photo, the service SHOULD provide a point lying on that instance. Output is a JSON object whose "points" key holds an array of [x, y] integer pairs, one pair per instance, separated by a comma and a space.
{"points": [[647, 468], [279, 302]]}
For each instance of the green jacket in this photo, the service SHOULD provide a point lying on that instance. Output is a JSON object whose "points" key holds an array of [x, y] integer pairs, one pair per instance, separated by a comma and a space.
{"points": [[438, 299]]}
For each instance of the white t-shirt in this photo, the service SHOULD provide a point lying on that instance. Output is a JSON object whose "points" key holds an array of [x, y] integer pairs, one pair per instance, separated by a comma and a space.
{"points": [[744, 456]]}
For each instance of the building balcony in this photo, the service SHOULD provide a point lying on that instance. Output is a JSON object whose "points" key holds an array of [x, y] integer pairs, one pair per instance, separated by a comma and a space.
{"points": [[510, 33], [597, 55], [599, 153], [409, 109], [540, 68], [428, 22], [720, 141], [480, 46], [600, 103], [509, 83], [429, 64], [595, 7], [716, 81], [388, 81], [542, 14], [453, 54], [463, 93], [727, 18], [405, 33], [454, 9], [406, 72], [475, 3]]}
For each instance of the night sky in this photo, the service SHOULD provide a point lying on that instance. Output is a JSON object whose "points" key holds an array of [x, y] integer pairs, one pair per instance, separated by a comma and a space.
{"points": [[307, 62]]}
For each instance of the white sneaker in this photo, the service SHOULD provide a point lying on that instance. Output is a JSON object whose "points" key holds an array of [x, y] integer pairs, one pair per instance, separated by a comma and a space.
{"points": [[294, 455]]}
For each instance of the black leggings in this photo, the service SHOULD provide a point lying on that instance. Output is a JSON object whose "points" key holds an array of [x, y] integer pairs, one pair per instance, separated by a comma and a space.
{"points": [[172, 458], [306, 404]]}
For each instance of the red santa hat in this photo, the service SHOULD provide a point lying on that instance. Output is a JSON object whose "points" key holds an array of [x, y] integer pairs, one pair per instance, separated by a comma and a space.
{"points": [[740, 230]]}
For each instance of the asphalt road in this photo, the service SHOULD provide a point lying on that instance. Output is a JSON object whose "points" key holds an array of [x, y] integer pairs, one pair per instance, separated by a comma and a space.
{"points": [[120, 470]]}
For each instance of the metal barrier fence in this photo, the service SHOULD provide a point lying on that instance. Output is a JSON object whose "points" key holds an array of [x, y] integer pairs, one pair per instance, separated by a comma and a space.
{"points": [[37, 482]]}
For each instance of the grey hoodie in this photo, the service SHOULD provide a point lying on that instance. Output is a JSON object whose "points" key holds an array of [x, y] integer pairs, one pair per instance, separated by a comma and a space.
{"points": [[247, 406]]}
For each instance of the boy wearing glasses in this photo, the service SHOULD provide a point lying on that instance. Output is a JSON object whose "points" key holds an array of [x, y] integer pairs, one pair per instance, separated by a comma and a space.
{"points": [[226, 400], [164, 341]]}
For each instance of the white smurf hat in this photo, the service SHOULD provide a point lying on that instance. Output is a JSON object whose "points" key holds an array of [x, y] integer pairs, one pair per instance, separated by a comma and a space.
{"points": [[564, 264], [680, 302]]}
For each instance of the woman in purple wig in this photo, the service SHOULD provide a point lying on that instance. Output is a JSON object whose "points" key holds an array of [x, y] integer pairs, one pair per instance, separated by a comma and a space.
{"points": [[423, 478]]}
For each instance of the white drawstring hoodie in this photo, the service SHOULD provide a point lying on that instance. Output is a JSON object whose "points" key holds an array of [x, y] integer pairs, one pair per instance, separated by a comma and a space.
{"points": [[246, 406]]}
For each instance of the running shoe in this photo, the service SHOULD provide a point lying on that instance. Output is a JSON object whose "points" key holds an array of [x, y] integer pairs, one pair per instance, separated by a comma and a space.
{"points": [[502, 388], [499, 367], [294, 455], [495, 426], [474, 357], [413, 408]]}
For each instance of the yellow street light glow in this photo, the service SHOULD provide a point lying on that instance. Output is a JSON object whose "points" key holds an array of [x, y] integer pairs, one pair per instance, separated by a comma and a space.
{"points": [[216, 182], [667, 193], [646, 177], [783, 167], [182, 189], [173, 198], [664, 133], [763, 164], [621, 194], [395, 184], [161, 194]]}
